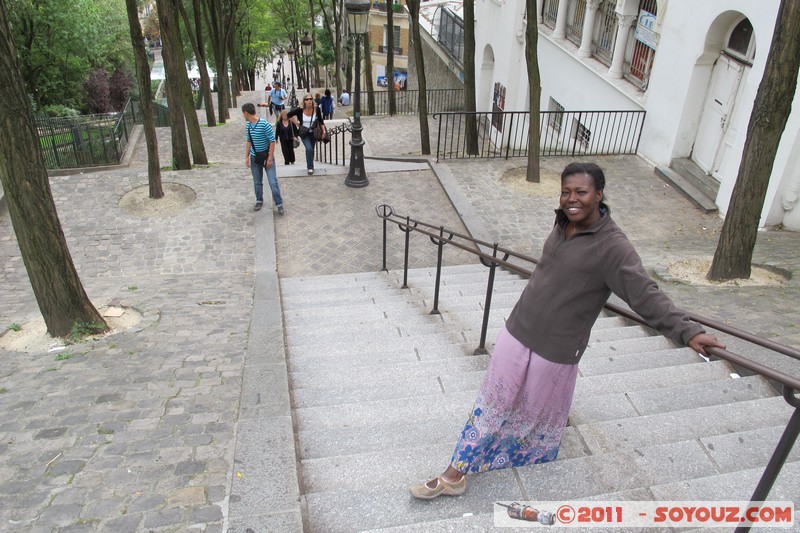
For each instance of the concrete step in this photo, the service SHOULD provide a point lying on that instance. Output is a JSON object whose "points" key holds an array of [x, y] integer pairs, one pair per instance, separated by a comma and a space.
{"points": [[381, 373], [687, 189], [746, 449], [596, 364], [410, 464], [675, 426], [692, 172], [337, 280], [369, 342], [400, 388], [347, 361], [356, 326], [732, 486], [649, 379]]}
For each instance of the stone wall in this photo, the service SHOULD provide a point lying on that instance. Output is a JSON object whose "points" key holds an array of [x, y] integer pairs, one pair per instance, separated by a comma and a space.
{"points": [[441, 71]]}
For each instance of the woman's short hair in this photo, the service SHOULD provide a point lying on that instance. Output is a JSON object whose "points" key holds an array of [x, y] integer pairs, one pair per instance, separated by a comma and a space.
{"points": [[590, 169], [327, 92]]}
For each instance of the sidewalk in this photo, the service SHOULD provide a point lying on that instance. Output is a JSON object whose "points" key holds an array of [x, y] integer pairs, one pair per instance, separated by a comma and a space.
{"points": [[183, 424]]}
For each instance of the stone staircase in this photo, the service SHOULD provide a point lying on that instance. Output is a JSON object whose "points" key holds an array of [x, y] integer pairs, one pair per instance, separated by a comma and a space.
{"points": [[381, 389]]}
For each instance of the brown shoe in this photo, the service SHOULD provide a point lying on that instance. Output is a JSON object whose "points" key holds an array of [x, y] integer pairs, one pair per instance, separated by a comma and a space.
{"points": [[443, 487]]}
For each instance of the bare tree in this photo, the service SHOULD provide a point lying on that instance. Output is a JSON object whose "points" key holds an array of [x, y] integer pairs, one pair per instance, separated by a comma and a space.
{"points": [[58, 290], [419, 58], [771, 109], [534, 91], [471, 133], [146, 94]]}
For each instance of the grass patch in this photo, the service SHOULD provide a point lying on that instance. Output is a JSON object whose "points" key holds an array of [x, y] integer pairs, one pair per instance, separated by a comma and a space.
{"points": [[104, 431], [133, 288], [3, 390], [80, 330], [15, 327], [64, 356]]}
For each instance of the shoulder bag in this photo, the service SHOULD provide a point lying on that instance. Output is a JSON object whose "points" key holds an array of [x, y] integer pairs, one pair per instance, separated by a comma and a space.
{"points": [[261, 157]]}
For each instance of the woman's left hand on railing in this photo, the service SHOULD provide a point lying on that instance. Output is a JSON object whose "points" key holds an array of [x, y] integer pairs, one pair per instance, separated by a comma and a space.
{"points": [[701, 341]]}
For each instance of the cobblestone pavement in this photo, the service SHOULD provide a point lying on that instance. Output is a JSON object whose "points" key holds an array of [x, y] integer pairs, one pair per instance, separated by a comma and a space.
{"points": [[133, 432], [330, 228]]}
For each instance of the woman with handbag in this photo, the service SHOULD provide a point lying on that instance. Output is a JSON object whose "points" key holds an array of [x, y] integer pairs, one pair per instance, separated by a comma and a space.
{"points": [[287, 133], [308, 118]]}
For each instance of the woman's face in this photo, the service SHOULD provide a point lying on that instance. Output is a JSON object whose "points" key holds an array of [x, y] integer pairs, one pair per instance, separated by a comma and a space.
{"points": [[580, 201], [308, 102]]}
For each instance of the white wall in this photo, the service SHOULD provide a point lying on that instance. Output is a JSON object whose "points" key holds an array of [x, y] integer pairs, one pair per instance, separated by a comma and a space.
{"points": [[692, 34]]}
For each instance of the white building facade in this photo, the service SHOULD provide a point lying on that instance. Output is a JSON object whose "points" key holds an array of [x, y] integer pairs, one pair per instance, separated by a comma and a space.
{"points": [[693, 66]]}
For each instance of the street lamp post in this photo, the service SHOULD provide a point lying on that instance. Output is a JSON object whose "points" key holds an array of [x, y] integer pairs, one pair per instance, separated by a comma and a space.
{"points": [[292, 63], [305, 45], [281, 51], [358, 24]]}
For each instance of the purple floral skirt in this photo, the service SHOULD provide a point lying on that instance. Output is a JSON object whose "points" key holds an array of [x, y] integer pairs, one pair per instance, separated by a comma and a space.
{"points": [[520, 413]]}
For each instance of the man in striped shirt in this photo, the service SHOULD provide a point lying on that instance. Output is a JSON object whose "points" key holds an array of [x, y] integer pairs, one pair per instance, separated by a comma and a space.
{"points": [[260, 139]]}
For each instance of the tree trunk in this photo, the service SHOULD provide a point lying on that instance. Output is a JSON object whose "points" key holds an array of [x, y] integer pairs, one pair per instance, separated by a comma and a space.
{"points": [[471, 132], [368, 79], [235, 68], [198, 45], [390, 57], [55, 282], [773, 103], [185, 88], [535, 92], [173, 66], [425, 139], [216, 23], [146, 102]]}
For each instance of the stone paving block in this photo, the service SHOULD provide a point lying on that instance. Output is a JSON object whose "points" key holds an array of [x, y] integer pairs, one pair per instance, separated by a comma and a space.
{"points": [[266, 479], [265, 392], [285, 522]]}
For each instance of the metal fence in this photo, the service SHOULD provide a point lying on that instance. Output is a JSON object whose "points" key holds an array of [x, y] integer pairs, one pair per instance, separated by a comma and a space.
{"points": [[91, 140], [439, 100], [505, 134], [336, 152]]}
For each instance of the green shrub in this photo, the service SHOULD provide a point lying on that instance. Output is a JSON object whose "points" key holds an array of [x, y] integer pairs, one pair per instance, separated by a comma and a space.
{"points": [[58, 110]]}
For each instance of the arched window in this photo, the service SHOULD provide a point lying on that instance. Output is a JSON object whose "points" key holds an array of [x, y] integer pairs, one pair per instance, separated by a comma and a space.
{"points": [[741, 44], [642, 46]]}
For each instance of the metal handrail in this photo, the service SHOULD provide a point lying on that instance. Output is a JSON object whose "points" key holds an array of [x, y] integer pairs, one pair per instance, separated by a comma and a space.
{"points": [[504, 134], [335, 151], [440, 236]]}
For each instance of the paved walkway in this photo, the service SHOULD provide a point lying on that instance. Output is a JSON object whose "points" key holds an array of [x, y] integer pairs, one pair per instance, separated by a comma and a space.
{"points": [[170, 426]]}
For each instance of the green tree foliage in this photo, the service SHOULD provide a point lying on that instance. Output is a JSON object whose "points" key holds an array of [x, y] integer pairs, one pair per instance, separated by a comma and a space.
{"points": [[61, 41]]}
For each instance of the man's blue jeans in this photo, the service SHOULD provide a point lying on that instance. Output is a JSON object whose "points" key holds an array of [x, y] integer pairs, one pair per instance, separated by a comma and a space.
{"points": [[258, 182], [308, 142]]}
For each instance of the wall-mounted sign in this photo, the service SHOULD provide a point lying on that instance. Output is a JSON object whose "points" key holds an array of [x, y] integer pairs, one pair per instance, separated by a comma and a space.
{"points": [[646, 29]]}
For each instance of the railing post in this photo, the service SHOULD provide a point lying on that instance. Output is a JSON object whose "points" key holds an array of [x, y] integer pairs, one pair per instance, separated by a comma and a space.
{"points": [[481, 349], [438, 135], [384, 215], [440, 245], [779, 456], [405, 261]]}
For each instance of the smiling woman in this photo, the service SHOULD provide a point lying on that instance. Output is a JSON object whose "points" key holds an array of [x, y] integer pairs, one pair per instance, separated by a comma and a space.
{"points": [[524, 401]]}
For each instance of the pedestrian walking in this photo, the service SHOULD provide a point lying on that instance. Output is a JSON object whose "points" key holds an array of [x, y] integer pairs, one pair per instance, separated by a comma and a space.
{"points": [[260, 156], [327, 105], [308, 117], [522, 406], [277, 99], [287, 134]]}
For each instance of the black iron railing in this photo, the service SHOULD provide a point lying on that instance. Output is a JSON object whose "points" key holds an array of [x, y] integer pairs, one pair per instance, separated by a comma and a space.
{"points": [[573, 133], [337, 151], [508, 259], [439, 100], [91, 140]]}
